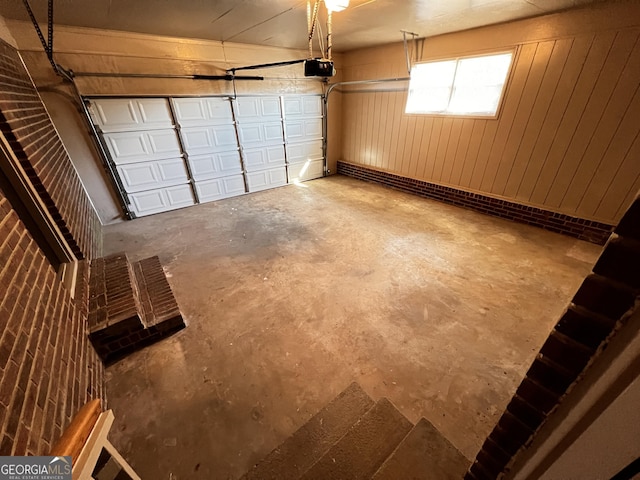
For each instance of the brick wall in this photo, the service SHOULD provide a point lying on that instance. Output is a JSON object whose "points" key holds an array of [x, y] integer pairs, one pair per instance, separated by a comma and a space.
{"points": [[26, 125], [600, 308], [583, 229], [48, 368]]}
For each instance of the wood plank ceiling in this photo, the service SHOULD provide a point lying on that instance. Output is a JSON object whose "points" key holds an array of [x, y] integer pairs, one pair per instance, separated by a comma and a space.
{"points": [[283, 23]]}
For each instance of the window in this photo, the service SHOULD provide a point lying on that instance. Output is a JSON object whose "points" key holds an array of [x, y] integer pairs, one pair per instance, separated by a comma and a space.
{"points": [[462, 86]]}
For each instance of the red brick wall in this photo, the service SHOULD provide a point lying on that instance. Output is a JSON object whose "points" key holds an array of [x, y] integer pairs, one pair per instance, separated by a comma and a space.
{"points": [[600, 309], [27, 126], [48, 368]]}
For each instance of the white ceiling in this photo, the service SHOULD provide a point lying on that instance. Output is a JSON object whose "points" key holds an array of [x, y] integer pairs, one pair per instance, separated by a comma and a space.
{"points": [[283, 23]]}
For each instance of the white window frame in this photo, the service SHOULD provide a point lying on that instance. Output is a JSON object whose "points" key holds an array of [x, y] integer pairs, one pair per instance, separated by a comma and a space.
{"points": [[457, 59]]}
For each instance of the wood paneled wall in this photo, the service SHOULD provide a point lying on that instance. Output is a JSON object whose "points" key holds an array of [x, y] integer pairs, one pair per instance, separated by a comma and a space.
{"points": [[567, 137]]}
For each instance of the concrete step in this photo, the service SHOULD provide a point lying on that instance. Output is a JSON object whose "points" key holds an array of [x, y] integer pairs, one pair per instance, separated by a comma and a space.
{"points": [[365, 447], [131, 306], [424, 454], [311, 441]]}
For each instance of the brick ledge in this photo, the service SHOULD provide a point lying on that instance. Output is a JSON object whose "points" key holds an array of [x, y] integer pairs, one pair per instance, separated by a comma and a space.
{"points": [[583, 229]]}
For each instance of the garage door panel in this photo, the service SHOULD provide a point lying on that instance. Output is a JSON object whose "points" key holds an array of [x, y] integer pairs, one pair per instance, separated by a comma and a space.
{"points": [[161, 200], [127, 147], [121, 114], [190, 111], [265, 179], [180, 195], [301, 152], [196, 139], [265, 157], [260, 133], [214, 165], [137, 177], [299, 106], [300, 172], [115, 113], [257, 109], [164, 141], [173, 172], [225, 136], [219, 110], [303, 129], [155, 112], [219, 188], [203, 111], [217, 148], [211, 139]]}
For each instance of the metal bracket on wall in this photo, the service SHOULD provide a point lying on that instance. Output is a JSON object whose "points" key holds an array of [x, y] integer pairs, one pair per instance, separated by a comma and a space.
{"points": [[406, 46]]}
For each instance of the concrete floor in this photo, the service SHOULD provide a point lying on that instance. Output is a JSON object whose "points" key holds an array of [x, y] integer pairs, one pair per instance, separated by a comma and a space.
{"points": [[293, 293]]}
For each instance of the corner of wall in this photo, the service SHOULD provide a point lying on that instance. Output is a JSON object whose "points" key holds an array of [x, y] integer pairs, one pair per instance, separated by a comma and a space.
{"points": [[5, 33]]}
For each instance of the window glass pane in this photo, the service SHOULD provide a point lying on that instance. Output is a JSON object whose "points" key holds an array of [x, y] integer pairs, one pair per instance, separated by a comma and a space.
{"points": [[471, 86], [487, 70], [430, 87], [478, 84], [475, 100], [434, 74]]}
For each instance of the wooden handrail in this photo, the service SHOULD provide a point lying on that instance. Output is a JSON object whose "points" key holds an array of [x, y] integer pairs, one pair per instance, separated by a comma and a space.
{"points": [[75, 435]]}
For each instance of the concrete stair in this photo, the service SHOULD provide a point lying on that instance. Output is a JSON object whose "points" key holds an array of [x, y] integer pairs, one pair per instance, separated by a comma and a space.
{"points": [[131, 305], [354, 437], [424, 454]]}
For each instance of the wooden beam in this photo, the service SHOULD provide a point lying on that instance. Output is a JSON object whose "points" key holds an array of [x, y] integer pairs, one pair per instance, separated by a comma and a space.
{"points": [[76, 434]]}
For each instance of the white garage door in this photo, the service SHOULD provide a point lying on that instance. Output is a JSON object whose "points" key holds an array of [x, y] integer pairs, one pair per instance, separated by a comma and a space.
{"points": [[175, 152], [144, 146], [261, 137], [209, 140], [304, 137]]}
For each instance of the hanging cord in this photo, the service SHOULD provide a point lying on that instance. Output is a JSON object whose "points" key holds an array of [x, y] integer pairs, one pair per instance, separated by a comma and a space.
{"points": [[312, 28], [320, 39], [329, 34], [309, 27]]}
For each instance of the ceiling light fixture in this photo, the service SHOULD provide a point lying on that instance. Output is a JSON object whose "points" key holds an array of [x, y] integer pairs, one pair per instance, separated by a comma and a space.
{"points": [[336, 5]]}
